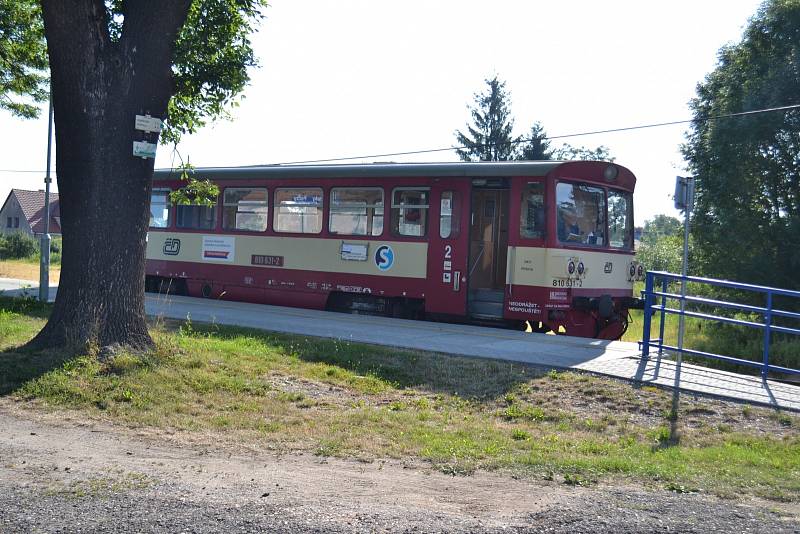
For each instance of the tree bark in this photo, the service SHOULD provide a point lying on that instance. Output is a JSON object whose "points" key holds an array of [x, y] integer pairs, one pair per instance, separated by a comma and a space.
{"points": [[99, 84]]}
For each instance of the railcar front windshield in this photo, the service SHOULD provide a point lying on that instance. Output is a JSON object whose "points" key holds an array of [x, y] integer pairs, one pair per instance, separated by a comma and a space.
{"points": [[581, 214], [620, 219], [582, 211]]}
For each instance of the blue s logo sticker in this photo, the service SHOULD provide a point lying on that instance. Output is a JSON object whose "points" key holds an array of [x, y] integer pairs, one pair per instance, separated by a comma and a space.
{"points": [[384, 257]]}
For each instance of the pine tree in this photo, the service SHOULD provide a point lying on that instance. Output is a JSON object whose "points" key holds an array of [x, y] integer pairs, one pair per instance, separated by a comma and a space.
{"points": [[489, 138], [536, 146]]}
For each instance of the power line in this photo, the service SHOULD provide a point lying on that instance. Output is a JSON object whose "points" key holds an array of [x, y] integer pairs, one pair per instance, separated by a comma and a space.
{"points": [[552, 137], [521, 140]]}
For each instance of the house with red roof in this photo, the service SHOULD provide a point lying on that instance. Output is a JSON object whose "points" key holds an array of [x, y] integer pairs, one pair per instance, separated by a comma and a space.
{"points": [[23, 211]]}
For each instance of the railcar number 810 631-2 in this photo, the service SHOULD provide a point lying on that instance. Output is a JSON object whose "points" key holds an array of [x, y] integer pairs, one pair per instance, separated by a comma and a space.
{"points": [[542, 244]]}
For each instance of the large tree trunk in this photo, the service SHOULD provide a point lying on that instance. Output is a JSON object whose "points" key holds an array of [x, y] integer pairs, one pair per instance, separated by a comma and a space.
{"points": [[99, 84]]}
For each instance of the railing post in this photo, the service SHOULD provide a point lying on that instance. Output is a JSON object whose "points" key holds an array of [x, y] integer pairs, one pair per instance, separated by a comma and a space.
{"points": [[664, 286], [648, 312], [767, 331]]}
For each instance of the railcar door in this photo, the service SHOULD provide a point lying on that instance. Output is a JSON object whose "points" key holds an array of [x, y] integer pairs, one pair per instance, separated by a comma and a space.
{"points": [[449, 243], [488, 249]]}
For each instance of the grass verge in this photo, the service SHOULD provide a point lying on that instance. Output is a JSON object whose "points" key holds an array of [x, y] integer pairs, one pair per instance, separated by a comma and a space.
{"points": [[292, 393]]}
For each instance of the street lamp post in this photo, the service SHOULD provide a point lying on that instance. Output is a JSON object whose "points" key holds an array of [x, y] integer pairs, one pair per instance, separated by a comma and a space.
{"points": [[44, 261]]}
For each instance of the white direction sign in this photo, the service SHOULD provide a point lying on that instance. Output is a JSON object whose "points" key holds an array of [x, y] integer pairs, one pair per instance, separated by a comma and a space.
{"points": [[147, 123], [143, 149]]}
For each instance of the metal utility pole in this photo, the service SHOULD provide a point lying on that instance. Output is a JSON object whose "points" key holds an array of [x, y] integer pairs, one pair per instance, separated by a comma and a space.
{"points": [[684, 200], [44, 260]]}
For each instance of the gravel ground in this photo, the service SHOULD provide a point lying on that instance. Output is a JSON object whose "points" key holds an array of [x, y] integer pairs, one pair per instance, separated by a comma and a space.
{"points": [[67, 476], [168, 508]]}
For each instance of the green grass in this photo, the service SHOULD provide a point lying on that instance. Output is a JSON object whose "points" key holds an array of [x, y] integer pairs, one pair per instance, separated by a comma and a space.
{"points": [[291, 393]]}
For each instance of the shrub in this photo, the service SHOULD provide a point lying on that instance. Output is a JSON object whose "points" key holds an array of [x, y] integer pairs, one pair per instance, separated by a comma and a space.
{"points": [[18, 245]]}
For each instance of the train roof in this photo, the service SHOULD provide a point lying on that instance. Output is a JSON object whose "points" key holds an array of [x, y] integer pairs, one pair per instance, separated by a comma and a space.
{"points": [[386, 170], [377, 170]]}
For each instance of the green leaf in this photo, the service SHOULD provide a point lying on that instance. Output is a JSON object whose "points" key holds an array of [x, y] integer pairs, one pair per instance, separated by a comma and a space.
{"points": [[196, 192]]}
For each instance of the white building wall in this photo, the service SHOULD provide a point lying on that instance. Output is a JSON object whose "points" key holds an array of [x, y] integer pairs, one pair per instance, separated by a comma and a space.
{"points": [[18, 221]]}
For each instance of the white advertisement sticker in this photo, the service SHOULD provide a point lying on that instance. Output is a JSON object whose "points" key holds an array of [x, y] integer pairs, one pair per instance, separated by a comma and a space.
{"points": [[218, 248]]}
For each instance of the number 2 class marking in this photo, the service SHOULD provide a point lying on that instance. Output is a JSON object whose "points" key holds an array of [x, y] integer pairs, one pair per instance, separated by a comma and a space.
{"points": [[448, 252]]}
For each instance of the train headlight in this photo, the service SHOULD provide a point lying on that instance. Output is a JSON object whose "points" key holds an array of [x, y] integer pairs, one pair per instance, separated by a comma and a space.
{"points": [[571, 267], [632, 271], [581, 269], [640, 272], [610, 173]]}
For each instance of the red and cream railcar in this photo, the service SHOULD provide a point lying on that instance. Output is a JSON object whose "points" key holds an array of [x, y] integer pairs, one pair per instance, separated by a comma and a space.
{"points": [[547, 243]]}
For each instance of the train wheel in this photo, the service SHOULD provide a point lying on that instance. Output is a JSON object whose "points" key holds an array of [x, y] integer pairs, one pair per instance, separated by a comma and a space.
{"points": [[614, 328], [539, 327], [581, 324]]}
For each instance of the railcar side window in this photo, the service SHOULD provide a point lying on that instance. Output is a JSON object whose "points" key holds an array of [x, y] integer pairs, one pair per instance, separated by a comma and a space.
{"points": [[245, 209], [196, 217], [356, 211], [449, 215], [532, 212], [620, 219], [159, 209], [410, 211], [581, 214], [298, 210]]}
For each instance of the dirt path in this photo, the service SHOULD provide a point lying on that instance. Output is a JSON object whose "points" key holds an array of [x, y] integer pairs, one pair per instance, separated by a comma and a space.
{"points": [[62, 475]]}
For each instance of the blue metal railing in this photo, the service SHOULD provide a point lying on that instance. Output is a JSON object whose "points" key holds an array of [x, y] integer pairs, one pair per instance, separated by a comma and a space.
{"points": [[767, 312]]}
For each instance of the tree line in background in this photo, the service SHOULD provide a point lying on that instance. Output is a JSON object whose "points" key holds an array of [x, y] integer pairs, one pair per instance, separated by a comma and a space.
{"points": [[490, 137]]}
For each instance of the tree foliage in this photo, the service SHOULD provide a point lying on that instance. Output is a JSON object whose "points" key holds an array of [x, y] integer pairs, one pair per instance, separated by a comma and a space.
{"points": [[535, 146], [489, 137], [661, 225], [661, 253], [747, 214], [212, 55], [661, 246], [196, 192], [23, 58], [567, 152]]}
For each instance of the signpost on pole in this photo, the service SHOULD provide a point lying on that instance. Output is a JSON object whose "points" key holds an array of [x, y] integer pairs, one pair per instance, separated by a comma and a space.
{"points": [[684, 201]]}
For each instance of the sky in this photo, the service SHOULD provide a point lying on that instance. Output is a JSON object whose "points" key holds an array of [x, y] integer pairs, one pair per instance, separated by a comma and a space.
{"points": [[368, 77]]}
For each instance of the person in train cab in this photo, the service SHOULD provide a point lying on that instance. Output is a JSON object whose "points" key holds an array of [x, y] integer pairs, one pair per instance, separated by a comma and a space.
{"points": [[568, 229]]}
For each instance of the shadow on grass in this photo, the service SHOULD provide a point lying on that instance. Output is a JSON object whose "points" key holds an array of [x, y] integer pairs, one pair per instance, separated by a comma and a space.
{"points": [[19, 365], [26, 306], [440, 373]]}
